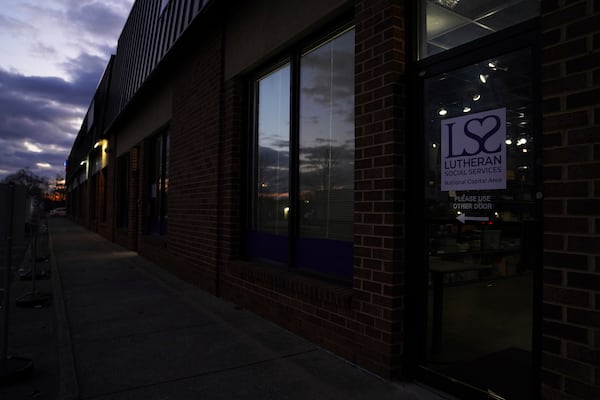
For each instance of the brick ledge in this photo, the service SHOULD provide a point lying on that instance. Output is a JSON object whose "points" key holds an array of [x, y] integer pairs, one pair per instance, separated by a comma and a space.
{"points": [[292, 283]]}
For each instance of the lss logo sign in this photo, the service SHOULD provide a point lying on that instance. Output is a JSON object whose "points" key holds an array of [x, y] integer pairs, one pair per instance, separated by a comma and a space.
{"points": [[473, 151]]}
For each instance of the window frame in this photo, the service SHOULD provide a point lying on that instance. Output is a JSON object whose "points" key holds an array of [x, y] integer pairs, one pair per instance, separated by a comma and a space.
{"points": [[151, 164], [292, 57]]}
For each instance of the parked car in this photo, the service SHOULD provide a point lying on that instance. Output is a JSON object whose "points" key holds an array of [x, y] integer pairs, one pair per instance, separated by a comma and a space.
{"points": [[58, 212]]}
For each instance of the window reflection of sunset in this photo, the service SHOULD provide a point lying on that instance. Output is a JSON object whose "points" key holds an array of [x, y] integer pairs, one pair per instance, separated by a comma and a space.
{"points": [[273, 151]]}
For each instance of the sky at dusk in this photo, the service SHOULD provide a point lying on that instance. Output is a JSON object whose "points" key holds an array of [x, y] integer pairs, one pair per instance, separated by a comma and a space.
{"points": [[52, 56]]}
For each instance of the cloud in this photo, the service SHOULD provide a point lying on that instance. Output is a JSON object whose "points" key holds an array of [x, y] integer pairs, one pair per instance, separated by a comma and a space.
{"points": [[40, 50], [96, 18], [55, 53], [51, 32], [322, 166], [39, 116], [15, 27], [328, 71]]}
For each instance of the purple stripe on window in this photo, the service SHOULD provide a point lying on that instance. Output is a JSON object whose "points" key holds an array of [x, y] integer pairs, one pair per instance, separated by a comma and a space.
{"points": [[267, 246], [330, 257]]}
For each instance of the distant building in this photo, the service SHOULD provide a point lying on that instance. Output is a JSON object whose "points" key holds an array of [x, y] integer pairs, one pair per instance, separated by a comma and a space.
{"points": [[411, 185]]}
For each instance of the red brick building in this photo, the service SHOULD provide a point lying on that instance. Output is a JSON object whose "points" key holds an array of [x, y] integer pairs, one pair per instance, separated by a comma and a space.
{"points": [[414, 186]]}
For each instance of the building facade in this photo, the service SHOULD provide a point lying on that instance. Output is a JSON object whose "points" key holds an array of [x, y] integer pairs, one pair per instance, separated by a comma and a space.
{"points": [[413, 186]]}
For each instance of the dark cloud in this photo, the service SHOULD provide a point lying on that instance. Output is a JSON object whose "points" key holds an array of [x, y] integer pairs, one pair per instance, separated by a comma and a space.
{"points": [[97, 18], [43, 111], [329, 71], [40, 115], [316, 156], [328, 82], [272, 158], [323, 166], [87, 70]]}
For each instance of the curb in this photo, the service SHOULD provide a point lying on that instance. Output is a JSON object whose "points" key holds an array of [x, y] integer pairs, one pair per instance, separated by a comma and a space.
{"points": [[68, 386]]}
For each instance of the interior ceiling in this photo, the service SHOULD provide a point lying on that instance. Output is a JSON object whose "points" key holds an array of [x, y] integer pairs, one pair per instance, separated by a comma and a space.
{"points": [[454, 22]]}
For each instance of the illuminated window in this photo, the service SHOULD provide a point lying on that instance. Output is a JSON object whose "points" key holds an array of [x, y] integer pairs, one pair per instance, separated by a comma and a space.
{"points": [[450, 23]]}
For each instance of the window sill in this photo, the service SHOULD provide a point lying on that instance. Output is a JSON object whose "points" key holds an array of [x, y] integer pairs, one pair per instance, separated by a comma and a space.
{"points": [[292, 283]]}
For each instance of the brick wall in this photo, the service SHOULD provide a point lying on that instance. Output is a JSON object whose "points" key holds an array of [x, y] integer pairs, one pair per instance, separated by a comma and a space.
{"points": [[571, 107], [379, 173], [83, 198], [125, 237], [230, 170], [106, 195], [139, 206], [194, 162], [134, 184]]}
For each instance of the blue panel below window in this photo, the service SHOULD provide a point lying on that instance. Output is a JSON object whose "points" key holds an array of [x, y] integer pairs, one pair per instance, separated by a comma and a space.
{"points": [[267, 246], [330, 257]]}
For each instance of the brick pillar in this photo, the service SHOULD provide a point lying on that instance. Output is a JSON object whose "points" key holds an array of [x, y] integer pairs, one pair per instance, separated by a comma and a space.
{"points": [[380, 179], [230, 170], [571, 98], [194, 175]]}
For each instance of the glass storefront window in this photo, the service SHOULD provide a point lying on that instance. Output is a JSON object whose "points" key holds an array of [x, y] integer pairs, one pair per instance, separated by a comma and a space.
{"points": [[272, 191], [158, 185], [326, 159], [480, 208], [446, 24], [303, 161]]}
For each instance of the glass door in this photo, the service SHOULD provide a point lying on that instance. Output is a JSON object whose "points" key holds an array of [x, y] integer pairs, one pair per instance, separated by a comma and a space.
{"points": [[481, 192]]}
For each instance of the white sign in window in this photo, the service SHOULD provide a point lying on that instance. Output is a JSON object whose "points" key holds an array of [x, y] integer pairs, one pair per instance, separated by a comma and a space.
{"points": [[474, 151]]}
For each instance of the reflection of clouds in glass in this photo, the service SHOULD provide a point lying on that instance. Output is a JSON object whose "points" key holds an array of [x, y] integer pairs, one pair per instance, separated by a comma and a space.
{"points": [[314, 119], [340, 153], [327, 166], [327, 91], [274, 107], [274, 142], [330, 69], [273, 152], [270, 157], [327, 116]]}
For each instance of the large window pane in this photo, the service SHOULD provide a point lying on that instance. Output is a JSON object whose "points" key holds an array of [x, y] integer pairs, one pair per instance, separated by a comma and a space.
{"points": [[165, 186], [450, 23], [273, 153], [158, 185], [304, 136], [326, 157], [480, 193]]}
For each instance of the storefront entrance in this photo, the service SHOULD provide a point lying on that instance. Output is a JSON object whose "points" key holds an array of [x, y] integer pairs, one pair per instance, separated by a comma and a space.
{"points": [[481, 205]]}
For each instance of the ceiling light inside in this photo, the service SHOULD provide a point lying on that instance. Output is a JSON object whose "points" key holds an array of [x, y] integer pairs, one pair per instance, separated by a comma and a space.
{"points": [[448, 3]]}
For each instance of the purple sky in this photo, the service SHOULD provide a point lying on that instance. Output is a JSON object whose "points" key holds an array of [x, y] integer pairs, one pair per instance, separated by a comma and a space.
{"points": [[53, 54]]}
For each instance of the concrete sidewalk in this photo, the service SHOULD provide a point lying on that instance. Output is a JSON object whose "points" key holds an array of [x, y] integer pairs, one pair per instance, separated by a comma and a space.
{"points": [[128, 330]]}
